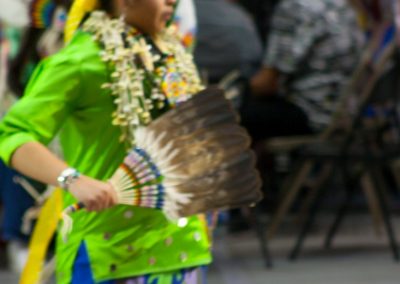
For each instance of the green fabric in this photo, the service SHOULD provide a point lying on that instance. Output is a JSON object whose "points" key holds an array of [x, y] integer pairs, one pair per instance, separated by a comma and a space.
{"points": [[65, 94]]}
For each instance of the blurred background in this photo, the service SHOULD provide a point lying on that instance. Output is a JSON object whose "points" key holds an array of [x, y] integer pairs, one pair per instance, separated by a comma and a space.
{"points": [[316, 83]]}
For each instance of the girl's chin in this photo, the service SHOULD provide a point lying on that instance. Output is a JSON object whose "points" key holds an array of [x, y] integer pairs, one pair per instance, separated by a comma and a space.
{"points": [[160, 28]]}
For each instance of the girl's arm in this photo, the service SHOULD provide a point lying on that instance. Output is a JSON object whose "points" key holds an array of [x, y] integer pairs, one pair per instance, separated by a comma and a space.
{"points": [[36, 161]]}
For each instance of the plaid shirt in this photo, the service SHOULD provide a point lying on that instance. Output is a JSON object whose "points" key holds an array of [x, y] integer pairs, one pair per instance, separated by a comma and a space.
{"points": [[316, 44]]}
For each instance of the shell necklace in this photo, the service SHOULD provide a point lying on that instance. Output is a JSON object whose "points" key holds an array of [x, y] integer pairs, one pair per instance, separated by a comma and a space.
{"points": [[146, 78]]}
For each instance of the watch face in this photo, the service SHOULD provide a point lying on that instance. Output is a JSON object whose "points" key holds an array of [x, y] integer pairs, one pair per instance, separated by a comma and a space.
{"points": [[67, 177]]}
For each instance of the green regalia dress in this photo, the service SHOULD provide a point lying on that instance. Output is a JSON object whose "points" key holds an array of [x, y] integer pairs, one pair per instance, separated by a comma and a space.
{"points": [[66, 96]]}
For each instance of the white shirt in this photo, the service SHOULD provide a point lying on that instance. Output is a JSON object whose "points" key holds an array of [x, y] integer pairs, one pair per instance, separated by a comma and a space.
{"points": [[15, 13]]}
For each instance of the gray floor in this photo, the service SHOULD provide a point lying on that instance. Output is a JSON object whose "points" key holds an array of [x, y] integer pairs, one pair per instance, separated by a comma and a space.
{"points": [[359, 256]]}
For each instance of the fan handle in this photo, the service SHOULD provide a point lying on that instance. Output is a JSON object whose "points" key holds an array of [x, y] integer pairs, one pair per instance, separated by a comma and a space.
{"points": [[74, 208]]}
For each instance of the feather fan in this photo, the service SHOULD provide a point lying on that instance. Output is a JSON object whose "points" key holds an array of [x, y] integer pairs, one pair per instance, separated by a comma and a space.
{"points": [[191, 160]]}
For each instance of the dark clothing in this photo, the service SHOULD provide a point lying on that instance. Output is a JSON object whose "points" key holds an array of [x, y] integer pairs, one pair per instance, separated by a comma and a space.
{"points": [[315, 45], [227, 40], [273, 117], [261, 10], [13, 211]]}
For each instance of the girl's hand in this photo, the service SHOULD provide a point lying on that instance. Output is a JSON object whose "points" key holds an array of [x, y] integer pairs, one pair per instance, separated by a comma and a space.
{"points": [[96, 195]]}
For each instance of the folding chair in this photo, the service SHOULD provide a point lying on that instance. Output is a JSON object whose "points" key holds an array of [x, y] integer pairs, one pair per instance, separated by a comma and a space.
{"points": [[341, 153], [366, 71]]}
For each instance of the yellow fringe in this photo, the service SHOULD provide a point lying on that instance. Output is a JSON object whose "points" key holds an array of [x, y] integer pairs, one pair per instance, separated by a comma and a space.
{"points": [[43, 233], [208, 229], [77, 12]]}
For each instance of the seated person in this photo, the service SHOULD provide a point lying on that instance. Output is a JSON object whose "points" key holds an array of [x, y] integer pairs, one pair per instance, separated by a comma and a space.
{"points": [[312, 49], [227, 40]]}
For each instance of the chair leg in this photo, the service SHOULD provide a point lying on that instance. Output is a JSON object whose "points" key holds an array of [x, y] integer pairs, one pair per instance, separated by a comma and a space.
{"points": [[292, 190], [380, 187], [395, 169], [261, 235], [312, 214], [307, 226], [350, 188], [312, 193], [373, 203], [339, 218]]}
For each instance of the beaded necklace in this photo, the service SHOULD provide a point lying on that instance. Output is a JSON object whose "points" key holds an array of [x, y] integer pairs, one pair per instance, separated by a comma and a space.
{"points": [[147, 78]]}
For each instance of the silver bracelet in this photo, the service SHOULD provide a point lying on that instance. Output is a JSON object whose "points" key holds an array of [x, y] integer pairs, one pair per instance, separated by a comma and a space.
{"points": [[67, 177]]}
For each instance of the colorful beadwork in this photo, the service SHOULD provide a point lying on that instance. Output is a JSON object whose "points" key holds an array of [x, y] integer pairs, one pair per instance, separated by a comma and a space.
{"points": [[41, 12], [144, 180]]}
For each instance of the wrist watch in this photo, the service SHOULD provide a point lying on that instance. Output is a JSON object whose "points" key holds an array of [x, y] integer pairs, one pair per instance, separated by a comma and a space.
{"points": [[67, 177]]}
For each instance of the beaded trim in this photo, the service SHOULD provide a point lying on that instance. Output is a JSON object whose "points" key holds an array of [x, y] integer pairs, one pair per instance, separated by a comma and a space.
{"points": [[143, 174]]}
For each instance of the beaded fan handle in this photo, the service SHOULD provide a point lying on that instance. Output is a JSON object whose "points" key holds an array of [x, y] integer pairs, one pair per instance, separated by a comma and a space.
{"points": [[67, 220], [74, 207], [137, 182]]}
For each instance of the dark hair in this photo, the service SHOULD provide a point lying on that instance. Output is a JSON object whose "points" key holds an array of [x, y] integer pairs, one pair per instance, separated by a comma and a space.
{"points": [[106, 5], [26, 55]]}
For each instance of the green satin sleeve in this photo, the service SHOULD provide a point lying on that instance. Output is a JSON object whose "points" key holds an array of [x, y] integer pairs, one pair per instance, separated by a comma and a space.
{"points": [[48, 101]]}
